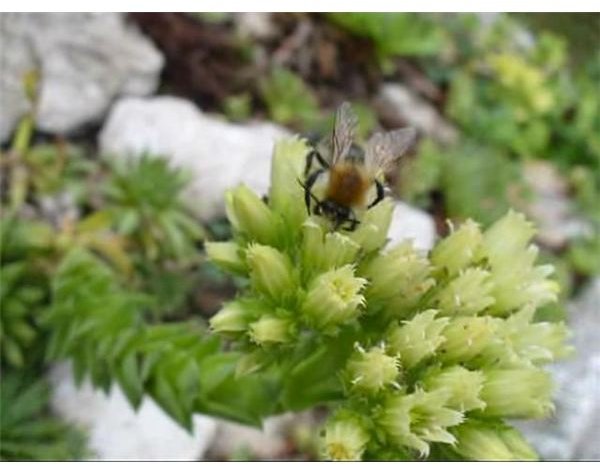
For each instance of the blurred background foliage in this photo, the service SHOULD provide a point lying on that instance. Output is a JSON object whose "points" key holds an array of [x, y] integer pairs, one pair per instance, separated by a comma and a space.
{"points": [[114, 239]]}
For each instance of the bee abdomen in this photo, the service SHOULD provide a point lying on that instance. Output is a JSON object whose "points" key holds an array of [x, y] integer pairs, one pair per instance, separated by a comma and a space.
{"points": [[348, 185]]}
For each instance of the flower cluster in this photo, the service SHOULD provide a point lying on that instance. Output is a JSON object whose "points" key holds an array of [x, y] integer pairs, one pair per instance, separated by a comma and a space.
{"points": [[419, 352]]}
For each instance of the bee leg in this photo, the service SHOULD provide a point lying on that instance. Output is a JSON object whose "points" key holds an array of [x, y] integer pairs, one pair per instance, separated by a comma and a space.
{"points": [[309, 161], [321, 160], [352, 220], [380, 194], [307, 188]]}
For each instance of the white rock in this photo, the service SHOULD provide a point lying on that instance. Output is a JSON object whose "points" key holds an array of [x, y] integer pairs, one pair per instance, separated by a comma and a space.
{"points": [[219, 155], [117, 432], [573, 431], [268, 443], [257, 25], [397, 102], [85, 60], [411, 223]]}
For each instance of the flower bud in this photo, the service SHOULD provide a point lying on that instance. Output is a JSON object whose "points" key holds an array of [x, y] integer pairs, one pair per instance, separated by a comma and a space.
{"points": [[235, 315], [462, 386], [506, 238], [333, 298], [419, 418], [417, 338], [399, 273], [372, 370], [322, 252], [520, 339], [250, 215], [466, 337], [345, 439], [467, 294], [457, 250], [517, 282], [524, 392], [226, 254], [373, 229], [539, 342], [270, 271], [270, 329], [285, 195], [481, 441]]}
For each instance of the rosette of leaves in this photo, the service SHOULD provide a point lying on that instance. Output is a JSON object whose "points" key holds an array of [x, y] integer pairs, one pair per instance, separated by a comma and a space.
{"points": [[145, 205], [418, 354], [58, 167], [27, 428], [24, 294], [22, 304], [288, 99], [512, 97], [106, 329]]}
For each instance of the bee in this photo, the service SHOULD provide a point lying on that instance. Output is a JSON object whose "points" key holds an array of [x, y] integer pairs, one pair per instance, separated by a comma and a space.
{"points": [[350, 179]]}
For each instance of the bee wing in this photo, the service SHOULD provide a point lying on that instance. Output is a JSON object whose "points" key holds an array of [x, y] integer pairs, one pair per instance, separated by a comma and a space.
{"points": [[344, 128], [383, 149]]}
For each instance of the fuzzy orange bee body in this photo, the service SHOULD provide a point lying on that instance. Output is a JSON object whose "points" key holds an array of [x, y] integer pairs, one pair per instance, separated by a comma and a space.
{"points": [[348, 185]]}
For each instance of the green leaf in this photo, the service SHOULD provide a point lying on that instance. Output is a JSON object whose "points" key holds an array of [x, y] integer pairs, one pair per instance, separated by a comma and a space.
{"points": [[314, 378], [128, 375]]}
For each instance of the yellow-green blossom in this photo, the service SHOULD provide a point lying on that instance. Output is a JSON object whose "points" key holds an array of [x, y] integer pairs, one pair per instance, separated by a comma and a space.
{"points": [[467, 294], [457, 250], [333, 298], [323, 251], [345, 439], [522, 392], [235, 315], [226, 254], [466, 338], [481, 441], [419, 418], [271, 271], [398, 277], [250, 215], [374, 226], [417, 338], [371, 371], [271, 329], [462, 386]]}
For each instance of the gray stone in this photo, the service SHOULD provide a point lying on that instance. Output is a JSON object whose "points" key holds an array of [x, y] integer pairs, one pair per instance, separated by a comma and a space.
{"points": [[117, 432], [551, 207], [270, 442], [398, 103], [573, 432], [85, 60], [257, 25]]}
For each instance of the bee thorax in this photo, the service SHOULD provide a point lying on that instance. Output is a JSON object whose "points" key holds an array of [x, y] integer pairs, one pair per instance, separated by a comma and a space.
{"points": [[348, 185]]}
